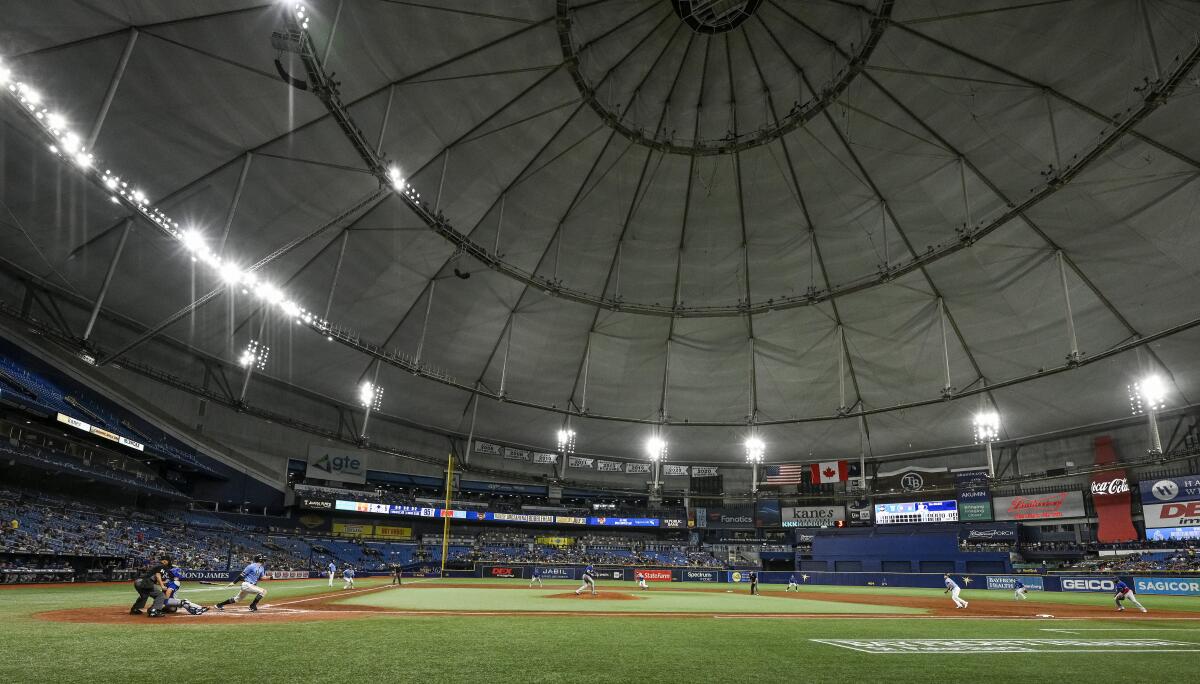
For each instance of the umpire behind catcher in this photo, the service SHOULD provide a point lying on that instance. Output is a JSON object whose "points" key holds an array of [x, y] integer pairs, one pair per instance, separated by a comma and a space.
{"points": [[150, 585]]}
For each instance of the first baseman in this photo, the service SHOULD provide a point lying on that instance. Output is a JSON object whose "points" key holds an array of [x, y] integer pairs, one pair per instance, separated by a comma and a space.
{"points": [[1124, 591]]}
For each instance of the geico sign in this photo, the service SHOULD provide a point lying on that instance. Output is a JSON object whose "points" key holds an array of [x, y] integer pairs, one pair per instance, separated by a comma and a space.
{"points": [[1117, 485], [1087, 584]]}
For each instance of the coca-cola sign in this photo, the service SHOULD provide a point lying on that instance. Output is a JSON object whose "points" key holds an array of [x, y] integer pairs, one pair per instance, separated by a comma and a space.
{"points": [[1117, 485], [1039, 506]]}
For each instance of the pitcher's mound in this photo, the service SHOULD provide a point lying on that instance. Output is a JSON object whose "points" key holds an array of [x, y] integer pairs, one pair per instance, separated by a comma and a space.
{"points": [[600, 596]]}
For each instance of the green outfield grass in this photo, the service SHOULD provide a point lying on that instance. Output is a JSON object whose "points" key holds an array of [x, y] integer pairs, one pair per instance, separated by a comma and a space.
{"points": [[597, 648]]}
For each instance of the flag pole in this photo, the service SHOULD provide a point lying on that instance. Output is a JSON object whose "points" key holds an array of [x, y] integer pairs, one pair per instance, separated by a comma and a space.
{"points": [[445, 517]]}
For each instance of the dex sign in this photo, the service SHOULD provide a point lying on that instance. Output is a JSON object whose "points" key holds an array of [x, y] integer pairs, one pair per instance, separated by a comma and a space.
{"points": [[1176, 514]]}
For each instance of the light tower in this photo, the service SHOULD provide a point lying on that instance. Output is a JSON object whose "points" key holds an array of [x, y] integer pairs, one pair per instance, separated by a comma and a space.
{"points": [[1149, 396], [987, 430]]}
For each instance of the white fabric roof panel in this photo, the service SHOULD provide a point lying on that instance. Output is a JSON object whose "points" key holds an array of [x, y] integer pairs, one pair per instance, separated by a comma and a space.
{"points": [[534, 170]]}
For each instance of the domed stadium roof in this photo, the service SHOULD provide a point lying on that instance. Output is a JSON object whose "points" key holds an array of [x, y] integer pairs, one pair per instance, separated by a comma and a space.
{"points": [[849, 224]]}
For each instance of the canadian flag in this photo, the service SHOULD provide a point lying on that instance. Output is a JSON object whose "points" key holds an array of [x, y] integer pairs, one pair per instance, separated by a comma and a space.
{"points": [[830, 471]]}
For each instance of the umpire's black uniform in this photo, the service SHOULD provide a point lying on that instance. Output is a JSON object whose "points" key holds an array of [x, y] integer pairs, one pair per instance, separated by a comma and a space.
{"points": [[754, 583], [149, 585], [397, 570]]}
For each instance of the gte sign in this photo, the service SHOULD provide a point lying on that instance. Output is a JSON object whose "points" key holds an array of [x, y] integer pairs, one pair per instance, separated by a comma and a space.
{"points": [[336, 464], [1088, 584], [1117, 485]]}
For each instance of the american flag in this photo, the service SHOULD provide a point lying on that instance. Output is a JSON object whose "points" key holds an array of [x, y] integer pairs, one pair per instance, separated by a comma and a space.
{"points": [[783, 474]]}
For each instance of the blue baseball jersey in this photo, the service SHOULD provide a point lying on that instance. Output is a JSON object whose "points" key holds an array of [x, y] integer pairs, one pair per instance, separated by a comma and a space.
{"points": [[537, 572], [1019, 584], [1122, 587], [253, 573], [589, 570], [951, 584], [332, 567], [348, 573], [792, 579]]}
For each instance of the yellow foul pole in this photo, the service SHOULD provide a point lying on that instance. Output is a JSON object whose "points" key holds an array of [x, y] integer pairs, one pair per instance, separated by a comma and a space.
{"points": [[446, 520]]}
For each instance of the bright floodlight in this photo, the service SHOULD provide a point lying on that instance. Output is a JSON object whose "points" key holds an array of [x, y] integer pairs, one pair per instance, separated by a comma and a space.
{"points": [[755, 449], [193, 240], [566, 441], [1148, 394], [5, 75], [395, 177], [370, 395], [987, 427], [255, 355], [656, 448]]}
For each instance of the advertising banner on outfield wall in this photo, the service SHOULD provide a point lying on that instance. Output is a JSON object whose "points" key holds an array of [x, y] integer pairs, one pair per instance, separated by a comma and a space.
{"points": [[1171, 489], [700, 575], [339, 465], [558, 573], [1039, 506], [502, 571], [610, 573], [1176, 586], [812, 516], [1009, 582], [1108, 584], [654, 575]]}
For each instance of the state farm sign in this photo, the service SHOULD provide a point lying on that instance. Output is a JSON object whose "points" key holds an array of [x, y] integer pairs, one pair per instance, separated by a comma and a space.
{"points": [[654, 575], [1177, 514], [1117, 485], [1039, 506]]}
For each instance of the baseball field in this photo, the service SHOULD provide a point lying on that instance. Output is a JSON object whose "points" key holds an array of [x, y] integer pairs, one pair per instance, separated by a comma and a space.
{"points": [[433, 630]]}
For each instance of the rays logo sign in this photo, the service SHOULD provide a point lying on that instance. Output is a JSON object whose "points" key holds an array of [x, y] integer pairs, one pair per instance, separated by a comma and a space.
{"points": [[341, 465]]}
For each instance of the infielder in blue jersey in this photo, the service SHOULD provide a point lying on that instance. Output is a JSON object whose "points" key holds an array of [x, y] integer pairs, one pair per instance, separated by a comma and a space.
{"points": [[589, 580], [792, 585], [250, 577], [348, 577], [1019, 591], [332, 572], [535, 576], [1124, 591], [954, 589]]}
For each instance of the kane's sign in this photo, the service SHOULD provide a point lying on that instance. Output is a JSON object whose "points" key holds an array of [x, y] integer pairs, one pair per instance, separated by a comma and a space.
{"points": [[812, 516]]}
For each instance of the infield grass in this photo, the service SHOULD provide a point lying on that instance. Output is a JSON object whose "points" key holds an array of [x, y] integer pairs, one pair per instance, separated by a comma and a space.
{"points": [[590, 648]]}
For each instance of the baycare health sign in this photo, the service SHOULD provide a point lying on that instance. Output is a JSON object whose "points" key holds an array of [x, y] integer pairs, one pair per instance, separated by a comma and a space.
{"points": [[1179, 586], [1175, 514], [1089, 584], [655, 575]]}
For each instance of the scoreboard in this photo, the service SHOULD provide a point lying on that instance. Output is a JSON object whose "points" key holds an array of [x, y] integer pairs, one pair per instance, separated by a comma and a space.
{"points": [[916, 512]]}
